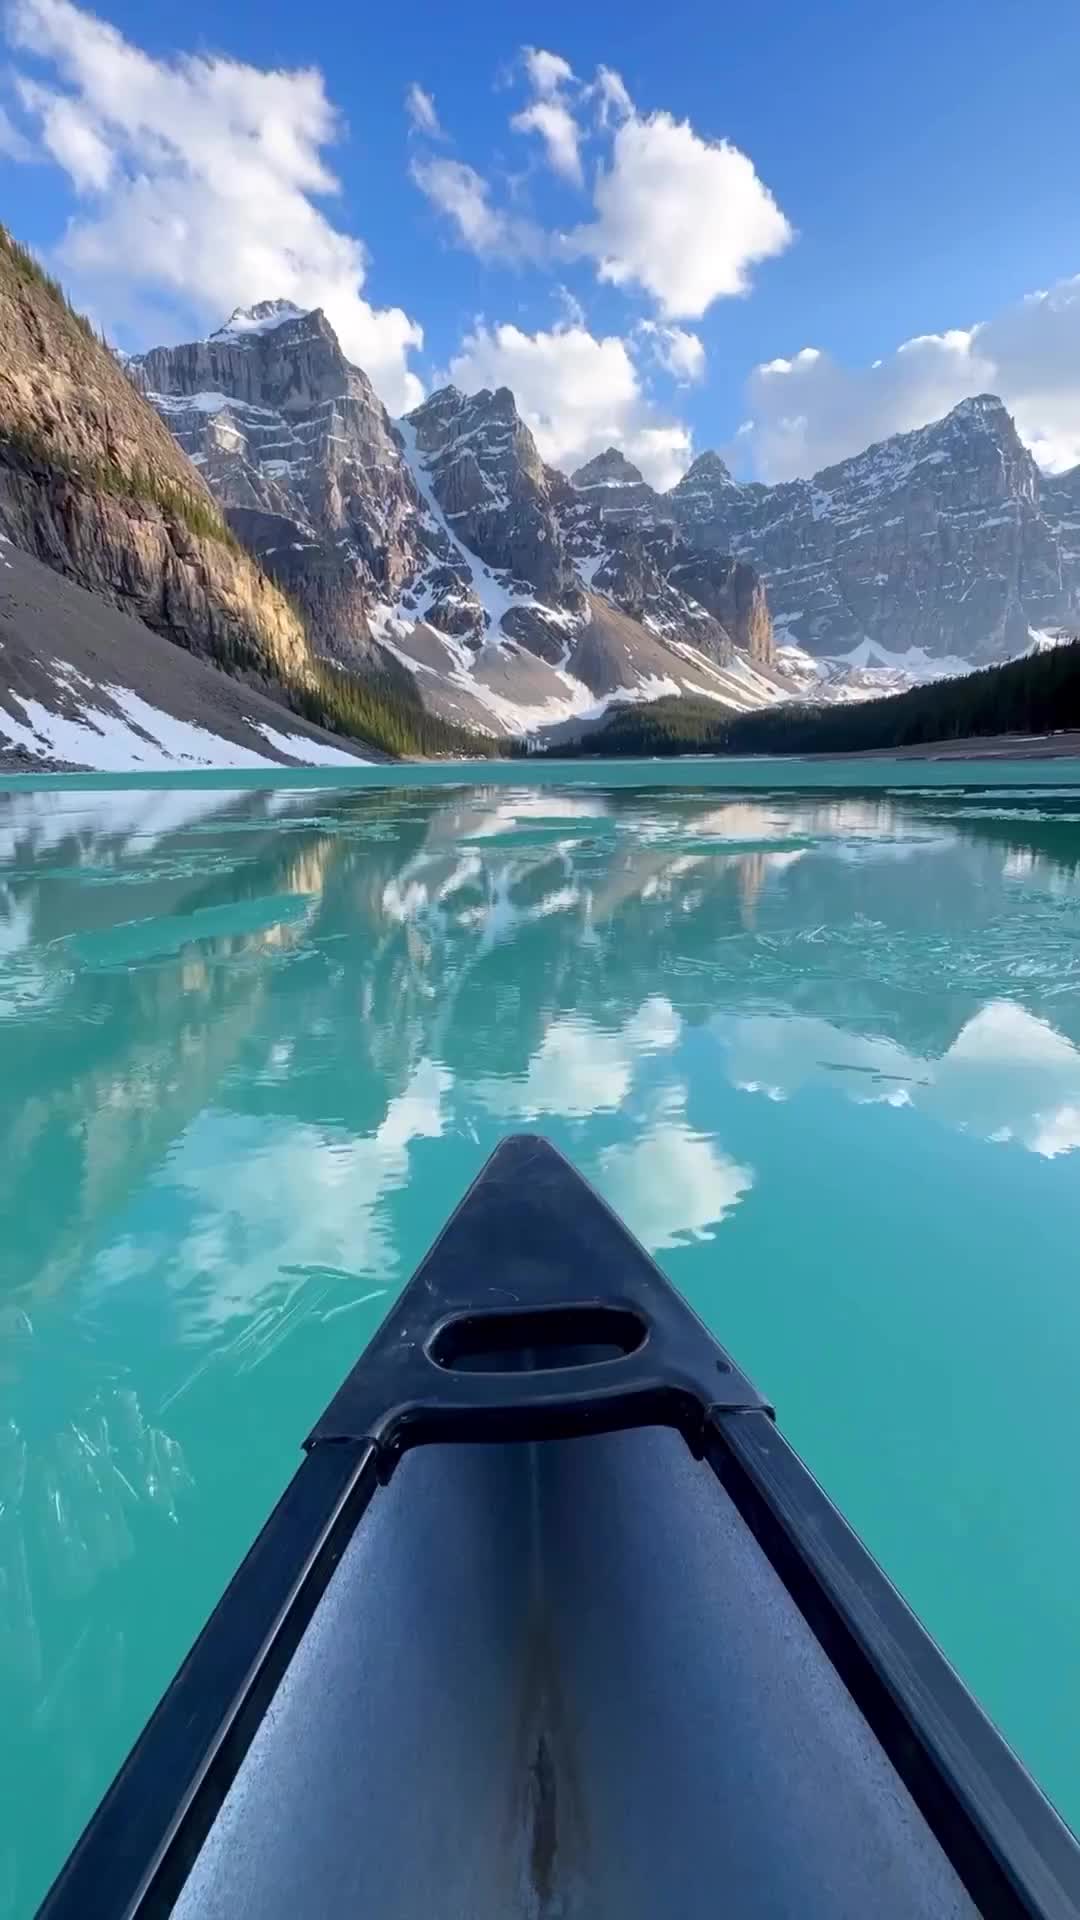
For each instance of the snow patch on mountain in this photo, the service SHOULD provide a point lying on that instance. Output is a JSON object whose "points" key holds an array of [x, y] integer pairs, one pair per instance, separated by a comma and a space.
{"points": [[1045, 639], [264, 317], [138, 737], [495, 596], [867, 672], [914, 661]]}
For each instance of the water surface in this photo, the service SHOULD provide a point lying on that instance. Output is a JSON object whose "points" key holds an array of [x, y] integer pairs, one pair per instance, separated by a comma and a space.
{"points": [[819, 1048]]}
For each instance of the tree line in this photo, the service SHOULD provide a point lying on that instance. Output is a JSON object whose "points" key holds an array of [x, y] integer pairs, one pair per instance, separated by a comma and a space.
{"points": [[372, 708], [1039, 693]]}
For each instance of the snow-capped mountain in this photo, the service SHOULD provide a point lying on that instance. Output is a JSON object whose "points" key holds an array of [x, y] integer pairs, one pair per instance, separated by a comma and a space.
{"points": [[945, 543], [442, 545], [516, 598]]}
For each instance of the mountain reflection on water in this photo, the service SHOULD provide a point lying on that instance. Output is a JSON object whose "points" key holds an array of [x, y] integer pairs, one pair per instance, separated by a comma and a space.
{"points": [[822, 1053]]}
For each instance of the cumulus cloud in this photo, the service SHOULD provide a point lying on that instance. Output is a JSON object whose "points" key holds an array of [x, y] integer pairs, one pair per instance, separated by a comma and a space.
{"points": [[676, 216], [809, 410], [420, 107], [679, 216], [200, 178], [461, 193], [577, 393], [549, 114], [680, 352]]}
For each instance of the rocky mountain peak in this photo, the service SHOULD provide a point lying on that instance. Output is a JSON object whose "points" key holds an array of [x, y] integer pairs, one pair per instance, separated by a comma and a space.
{"points": [[612, 485], [298, 448], [481, 464], [485, 421], [707, 471], [263, 317], [608, 469], [700, 501], [985, 409], [972, 456], [286, 360], [984, 425]]}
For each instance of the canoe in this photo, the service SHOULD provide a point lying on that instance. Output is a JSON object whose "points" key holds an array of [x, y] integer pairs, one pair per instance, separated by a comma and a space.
{"points": [[551, 1621]]}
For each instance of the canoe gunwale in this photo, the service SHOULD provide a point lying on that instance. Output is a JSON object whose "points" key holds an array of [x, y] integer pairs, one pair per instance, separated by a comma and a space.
{"points": [[1008, 1844]]}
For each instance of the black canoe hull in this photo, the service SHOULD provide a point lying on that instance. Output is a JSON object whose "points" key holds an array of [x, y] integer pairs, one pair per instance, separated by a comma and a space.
{"points": [[552, 1622]]}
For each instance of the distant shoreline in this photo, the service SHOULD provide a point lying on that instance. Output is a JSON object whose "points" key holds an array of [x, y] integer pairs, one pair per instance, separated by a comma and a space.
{"points": [[997, 746], [1002, 746]]}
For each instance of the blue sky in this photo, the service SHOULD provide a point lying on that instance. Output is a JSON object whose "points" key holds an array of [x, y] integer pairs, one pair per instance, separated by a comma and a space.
{"points": [[894, 179]]}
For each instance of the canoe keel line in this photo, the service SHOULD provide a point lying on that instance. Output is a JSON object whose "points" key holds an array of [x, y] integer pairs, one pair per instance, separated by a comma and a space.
{"points": [[552, 1622]]}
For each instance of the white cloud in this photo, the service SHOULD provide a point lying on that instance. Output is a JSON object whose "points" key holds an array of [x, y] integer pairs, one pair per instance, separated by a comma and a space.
{"points": [[547, 71], [610, 90], [13, 146], [457, 190], [577, 393], [549, 114], [200, 176], [809, 411], [558, 129], [680, 352], [682, 217], [69, 135], [420, 107], [1034, 347], [577, 1071]]}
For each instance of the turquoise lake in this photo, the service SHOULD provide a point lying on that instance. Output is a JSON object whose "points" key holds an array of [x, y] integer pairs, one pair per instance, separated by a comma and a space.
{"points": [[820, 1047]]}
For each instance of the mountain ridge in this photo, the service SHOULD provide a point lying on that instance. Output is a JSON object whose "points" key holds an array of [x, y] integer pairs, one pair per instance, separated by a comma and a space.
{"points": [[443, 542], [984, 557], [924, 553], [265, 511]]}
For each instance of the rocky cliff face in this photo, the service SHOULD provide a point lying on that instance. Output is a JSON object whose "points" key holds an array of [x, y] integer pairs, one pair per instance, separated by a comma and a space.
{"points": [[92, 484], [478, 470], [296, 446], [1059, 496], [631, 548], [946, 540]]}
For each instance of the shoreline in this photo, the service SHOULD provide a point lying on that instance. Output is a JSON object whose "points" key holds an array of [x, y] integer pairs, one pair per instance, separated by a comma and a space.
{"points": [[995, 746]]}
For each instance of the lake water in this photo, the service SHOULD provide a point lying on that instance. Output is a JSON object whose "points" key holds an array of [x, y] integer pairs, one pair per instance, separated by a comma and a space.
{"points": [[821, 1049]]}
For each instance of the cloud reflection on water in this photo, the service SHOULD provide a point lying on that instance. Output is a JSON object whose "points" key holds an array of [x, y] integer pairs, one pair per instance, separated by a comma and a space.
{"points": [[258, 1042]]}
